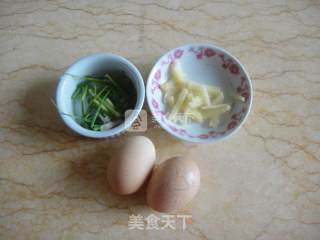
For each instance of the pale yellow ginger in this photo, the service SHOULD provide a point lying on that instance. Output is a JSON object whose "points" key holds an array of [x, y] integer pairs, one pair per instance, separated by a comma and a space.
{"points": [[188, 101]]}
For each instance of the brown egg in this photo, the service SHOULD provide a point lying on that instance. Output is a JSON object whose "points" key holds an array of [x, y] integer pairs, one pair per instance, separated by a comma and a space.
{"points": [[173, 184], [130, 167]]}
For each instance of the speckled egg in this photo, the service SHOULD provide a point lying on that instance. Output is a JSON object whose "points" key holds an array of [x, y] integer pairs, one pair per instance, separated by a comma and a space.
{"points": [[173, 184]]}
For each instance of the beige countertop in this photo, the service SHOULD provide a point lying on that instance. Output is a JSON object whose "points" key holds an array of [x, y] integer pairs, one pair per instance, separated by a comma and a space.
{"points": [[263, 183]]}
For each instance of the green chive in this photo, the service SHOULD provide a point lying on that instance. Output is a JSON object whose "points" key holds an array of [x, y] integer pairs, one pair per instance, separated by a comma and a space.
{"points": [[84, 94], [76, 93], [101, 96], [97, 112]]}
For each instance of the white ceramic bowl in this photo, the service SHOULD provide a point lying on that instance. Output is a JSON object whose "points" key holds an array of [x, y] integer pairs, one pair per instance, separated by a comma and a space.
{"points": [[97, 65], [210, 65]]}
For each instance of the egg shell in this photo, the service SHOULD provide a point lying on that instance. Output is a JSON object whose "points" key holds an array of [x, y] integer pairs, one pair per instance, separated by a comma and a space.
{"points": [[173, 184], [131, 165]]}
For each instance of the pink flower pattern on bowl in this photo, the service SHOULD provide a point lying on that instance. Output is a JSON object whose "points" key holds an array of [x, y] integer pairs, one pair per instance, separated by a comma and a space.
{"points": [[202, 54]]}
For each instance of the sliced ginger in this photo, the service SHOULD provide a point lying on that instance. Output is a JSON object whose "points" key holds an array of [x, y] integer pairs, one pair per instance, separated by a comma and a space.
{"points": [[188, 101]]}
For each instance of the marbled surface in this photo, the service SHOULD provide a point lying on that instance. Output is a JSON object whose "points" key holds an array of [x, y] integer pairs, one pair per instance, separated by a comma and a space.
{"points": [[263, 183]]}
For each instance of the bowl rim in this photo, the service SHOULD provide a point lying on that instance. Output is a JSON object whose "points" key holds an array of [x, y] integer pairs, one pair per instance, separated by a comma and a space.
{"points": [[76, 127], [196, 140]]}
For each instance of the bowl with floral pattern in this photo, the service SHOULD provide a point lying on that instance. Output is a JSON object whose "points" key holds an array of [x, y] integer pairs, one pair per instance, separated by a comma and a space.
{"points": [[205, 64]]}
